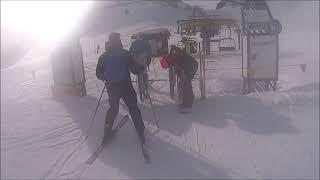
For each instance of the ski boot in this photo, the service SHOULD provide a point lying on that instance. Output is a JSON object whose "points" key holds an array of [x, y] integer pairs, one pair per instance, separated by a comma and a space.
{"points": [[142, 138], [107, 134], [182, 108]]}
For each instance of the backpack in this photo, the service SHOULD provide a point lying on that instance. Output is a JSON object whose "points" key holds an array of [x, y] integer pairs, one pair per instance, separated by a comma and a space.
{"points": [[139, 46], [191, 66], [140, 50], [187, 62]]}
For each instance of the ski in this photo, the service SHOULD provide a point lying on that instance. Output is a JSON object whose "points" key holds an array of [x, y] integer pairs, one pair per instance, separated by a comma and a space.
{"points": [[95, 155], [145, 154], [184, 111]]}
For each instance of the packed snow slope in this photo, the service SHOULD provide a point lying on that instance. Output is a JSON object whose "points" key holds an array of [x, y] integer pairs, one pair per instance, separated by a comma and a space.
{"points": [[228, 135]]}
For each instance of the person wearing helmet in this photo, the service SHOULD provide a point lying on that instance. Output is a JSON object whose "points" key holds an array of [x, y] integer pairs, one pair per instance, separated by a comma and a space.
{"points": [[141, 52], [114, 67], [185, 67], [187, 45]]}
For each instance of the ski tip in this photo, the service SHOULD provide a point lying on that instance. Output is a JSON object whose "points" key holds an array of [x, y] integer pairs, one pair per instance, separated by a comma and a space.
{"points": [[184, 111], [146, 158], [145, 154], [147, 161]]}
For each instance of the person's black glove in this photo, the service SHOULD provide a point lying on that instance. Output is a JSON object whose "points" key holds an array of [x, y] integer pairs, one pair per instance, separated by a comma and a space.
{"points": [[100, 77]]}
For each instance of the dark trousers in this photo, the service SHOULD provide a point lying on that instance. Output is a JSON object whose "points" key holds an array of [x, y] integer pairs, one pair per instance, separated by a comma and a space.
{"points": [[129, 96], [185, 90], [143, 82]]}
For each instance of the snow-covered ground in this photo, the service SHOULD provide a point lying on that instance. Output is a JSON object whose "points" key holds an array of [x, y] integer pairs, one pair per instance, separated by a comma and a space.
{"points": [[228, 135]]}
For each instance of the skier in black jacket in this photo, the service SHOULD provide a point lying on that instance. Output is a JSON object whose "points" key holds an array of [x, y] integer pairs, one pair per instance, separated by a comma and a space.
{"points": [[114, 67], [185, 67]]}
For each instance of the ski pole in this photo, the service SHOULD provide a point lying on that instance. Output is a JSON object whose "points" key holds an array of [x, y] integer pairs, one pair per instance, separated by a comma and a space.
{"points": [[151, 105], [95, 112]]}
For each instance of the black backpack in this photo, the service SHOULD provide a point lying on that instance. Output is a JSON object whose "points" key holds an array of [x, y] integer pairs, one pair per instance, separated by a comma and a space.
{"points": [[191, 66]]}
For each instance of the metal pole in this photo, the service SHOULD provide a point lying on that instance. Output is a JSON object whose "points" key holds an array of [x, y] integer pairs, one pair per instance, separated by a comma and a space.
{"points": [[95, 112], [204, 76], [171, 81], [151, 105], [201, 73]]}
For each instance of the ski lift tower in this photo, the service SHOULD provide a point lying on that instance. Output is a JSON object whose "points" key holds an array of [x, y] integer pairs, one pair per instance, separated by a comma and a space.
{"points": [[260, 47], [207, 26]]}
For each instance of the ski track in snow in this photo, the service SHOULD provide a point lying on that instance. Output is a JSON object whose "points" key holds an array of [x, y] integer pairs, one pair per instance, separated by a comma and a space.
{"points": [[229, 135]]}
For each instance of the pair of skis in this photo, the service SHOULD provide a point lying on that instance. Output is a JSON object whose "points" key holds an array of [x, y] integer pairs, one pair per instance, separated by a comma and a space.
{"points": [[122, 122]]}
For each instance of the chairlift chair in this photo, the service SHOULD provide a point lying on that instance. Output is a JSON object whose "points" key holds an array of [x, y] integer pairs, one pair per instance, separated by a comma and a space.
{"points": [[227, 44]]}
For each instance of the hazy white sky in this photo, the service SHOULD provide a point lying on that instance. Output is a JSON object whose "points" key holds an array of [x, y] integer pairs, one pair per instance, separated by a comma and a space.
{"points": [[45, 20]]}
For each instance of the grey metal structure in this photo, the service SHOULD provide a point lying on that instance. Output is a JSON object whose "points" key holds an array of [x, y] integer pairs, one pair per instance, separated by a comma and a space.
{"points": [[258, 35], [208, 27], [260, 49], [68, 69]]}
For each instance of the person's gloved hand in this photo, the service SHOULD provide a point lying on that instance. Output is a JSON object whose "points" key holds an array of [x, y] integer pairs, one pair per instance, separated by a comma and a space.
{"points": [[163, 62], [140, 68], [100, 77]]}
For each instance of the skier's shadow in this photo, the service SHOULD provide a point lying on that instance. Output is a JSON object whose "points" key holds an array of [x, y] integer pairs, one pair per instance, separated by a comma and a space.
{"points": [[169, 160], [249, 114]]}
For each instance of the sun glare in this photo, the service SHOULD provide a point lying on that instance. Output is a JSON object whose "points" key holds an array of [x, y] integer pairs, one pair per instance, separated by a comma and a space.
{"points": [[47, 21]]}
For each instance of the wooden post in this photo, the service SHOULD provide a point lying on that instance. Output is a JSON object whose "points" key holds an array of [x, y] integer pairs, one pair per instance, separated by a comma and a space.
{"points": [[171, 81], [219, 45], [201, 73], [205, 51], [204, 76], [239, 39], [207, 45]]}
